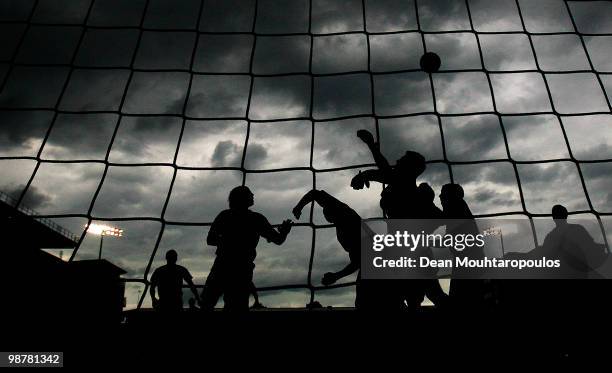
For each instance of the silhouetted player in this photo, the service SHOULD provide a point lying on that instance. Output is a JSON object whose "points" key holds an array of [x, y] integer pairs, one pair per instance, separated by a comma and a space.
{"points": [[460, 220], [236, 233], [415, 294], [348, 233], [168, 279], [578, 252], [580, 256], [402, 199]]}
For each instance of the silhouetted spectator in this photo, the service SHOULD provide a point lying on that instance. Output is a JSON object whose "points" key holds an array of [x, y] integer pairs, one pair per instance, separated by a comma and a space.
{"points": [[236, 233], [168, 280]]}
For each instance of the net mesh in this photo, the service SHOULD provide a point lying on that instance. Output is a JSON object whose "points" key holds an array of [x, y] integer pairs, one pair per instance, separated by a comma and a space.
{"points": [[184, 114]]}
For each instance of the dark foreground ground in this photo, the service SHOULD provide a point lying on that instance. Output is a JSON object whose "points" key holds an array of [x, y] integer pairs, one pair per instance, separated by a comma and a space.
{"points": [[339, 336]]}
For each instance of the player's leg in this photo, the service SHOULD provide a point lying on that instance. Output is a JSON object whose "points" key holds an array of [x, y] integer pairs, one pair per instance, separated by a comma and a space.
{"points": [[238, 288], [256, 303], [213, 288]]}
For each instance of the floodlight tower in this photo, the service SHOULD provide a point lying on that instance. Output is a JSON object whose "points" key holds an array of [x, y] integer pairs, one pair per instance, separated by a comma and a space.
{"points": [[104, 230]]}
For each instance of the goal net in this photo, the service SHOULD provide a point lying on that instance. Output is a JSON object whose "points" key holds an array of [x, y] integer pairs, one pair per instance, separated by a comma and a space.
{"points": [[142, 115]]}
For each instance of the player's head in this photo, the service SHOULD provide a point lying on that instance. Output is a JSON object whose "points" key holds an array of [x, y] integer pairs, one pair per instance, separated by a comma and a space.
{"points": [[451, 193], [171, 256], [559, 214], [240, 197], [427, 192], [412, 163]]}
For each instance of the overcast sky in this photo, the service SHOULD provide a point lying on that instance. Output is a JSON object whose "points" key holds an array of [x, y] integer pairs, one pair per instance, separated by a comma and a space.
{"points": [[218, 141]]}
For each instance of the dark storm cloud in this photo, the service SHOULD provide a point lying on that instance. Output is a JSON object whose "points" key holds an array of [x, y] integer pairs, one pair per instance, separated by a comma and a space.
{"points": [[345, 95], [592, 17], [34, 199], [495, 173], [393, 52], [80, 136], [15, 10], [165, 50], [33, 87], [116, 13], [222, 151], [52, 44], [332, 54], [336, 16], [420, 134], [283, 144], [10, 35], [590, 136], [21, 133], [107, 48], [200, 138], [496, 181], [139, 191], [545, 136], [70, 187], [146, 139], [198, 196], [280, 97], [218, 96], [507, 52], [257, 155], [599, 185], [443, 15], [600, 48], [545, 16], [459, 51], [282, 16], [335, 143], [281, 54], [390, 15], [495, 15], [215, 15], [548, 184], [157, 93], [473, 138], [224, 53], [167, 15], [560, 52], [70, 11]]}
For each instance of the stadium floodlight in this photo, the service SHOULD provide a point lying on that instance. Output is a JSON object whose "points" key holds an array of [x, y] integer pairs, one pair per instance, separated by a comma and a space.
{"points": [[496, 231], [103, 230]]}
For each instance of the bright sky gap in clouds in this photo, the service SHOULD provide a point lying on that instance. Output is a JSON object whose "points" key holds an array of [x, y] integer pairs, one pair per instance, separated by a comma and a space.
{"points": [[151, 101]]}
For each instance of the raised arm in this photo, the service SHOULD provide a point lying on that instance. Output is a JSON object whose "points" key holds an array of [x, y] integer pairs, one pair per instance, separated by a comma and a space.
{"points": [[306, 199], [321, 197], [380, 160]]}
